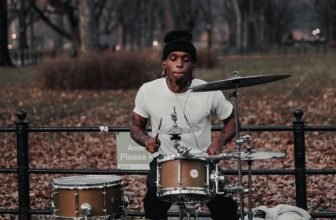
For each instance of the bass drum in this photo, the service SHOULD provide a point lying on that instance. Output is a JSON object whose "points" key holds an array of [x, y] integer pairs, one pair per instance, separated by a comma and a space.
{"points": [[76, 197]]}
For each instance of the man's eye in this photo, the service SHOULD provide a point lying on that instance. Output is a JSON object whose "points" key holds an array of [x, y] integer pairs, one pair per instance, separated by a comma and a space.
{"points": [[186, 59], [172, 57]]}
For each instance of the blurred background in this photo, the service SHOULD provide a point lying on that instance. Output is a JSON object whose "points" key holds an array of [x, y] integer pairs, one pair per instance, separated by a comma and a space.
{"points": [[54, 27], [80, 63]]}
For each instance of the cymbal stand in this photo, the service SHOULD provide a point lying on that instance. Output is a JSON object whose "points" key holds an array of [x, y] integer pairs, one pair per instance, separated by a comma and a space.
{"points": [[234, 97], [249, 163], [247, 139]]}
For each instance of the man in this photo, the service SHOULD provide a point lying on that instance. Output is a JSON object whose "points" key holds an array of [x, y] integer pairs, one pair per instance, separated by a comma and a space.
{"points": [[159, 99]]}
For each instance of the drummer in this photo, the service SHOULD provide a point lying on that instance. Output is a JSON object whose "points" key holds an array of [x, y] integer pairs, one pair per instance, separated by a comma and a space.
{"points": [[157, 100]]}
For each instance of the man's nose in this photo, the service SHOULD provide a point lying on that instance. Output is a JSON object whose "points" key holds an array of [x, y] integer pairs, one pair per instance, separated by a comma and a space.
{"points": [[179, 63]]}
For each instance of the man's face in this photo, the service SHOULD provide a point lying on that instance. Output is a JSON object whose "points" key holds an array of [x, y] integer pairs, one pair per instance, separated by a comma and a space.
{"points": [[179, 66]]}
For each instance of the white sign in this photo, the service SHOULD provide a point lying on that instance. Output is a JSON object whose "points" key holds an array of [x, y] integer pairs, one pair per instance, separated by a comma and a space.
{"points": [[130, 155]]}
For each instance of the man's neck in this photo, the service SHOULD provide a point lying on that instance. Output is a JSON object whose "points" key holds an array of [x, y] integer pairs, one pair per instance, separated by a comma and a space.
{"points": [[177, 87]]}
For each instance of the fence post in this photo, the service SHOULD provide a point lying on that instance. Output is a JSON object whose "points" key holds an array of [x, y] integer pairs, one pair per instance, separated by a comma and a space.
{"points": [[23, 165], [299, 158]]}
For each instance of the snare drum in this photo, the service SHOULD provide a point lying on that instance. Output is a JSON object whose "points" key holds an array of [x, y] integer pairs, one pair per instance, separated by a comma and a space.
{"points": [[85, 196], [183, 180]]}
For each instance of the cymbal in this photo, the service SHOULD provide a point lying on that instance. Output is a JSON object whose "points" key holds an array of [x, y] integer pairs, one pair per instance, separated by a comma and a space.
{"points": [[237, 81], [258, 155], [175, 130]]}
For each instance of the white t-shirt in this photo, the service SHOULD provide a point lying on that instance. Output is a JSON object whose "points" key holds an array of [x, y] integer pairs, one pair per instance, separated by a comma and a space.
{"points": [[155, 100]]}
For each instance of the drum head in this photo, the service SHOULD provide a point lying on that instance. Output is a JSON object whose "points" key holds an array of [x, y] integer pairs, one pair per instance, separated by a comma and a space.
{"points": [[178, 157], [86, 181]]}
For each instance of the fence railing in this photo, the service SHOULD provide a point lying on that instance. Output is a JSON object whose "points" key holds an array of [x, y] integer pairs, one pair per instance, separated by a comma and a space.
{"points": [[22, 129], [30, 56]]}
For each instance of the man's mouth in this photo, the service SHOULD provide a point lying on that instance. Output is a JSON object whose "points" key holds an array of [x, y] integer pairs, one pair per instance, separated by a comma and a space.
{"points": [[179, 73]]}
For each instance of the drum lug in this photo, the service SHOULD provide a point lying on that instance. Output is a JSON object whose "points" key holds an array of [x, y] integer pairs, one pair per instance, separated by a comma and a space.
{"points": [[207, 184], [76, 203], [179, 173], [125, 201], [158, 185], [56, 211]]}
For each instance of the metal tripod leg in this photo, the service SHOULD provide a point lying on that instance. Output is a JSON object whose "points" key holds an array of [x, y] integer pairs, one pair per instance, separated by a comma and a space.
{"points": [[250, 213], [241, 193]]}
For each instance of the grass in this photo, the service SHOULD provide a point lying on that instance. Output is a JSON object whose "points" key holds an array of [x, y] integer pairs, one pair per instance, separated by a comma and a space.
{"points": [[18, 76]]}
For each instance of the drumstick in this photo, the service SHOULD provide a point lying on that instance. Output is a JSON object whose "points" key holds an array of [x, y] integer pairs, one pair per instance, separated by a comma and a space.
{"points": [[157, 135]]}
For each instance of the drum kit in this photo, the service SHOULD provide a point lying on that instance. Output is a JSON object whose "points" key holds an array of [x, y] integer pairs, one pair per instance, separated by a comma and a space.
{"points": [[186, 179]]}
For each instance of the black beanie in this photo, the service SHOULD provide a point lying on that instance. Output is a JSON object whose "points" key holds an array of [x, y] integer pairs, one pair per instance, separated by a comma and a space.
{"points": [[179, 41]]}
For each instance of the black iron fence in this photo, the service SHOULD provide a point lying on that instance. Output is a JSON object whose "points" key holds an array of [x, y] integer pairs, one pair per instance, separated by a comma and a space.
{"points": [[22, 129]]}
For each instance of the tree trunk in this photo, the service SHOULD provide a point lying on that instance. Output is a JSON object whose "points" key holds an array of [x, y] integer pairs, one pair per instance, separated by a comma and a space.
{"points": [[88, 32], [238, 25], [5, 59], [168, 17], [23, 39]]}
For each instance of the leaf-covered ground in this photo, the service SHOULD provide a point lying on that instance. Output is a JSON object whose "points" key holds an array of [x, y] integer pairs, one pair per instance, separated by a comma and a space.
{"points": [[310, 87]]}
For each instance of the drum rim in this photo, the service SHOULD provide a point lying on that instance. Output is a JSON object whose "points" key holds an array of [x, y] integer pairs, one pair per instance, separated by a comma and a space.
{"points": [[206, 193], [117, 214], [56, 184], [184, 190], [178, 157]]}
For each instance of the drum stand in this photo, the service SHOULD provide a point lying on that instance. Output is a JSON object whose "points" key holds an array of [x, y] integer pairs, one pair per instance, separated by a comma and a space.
{"points": [[242, 155], [249, 181], [188, 209], [238, 146]]}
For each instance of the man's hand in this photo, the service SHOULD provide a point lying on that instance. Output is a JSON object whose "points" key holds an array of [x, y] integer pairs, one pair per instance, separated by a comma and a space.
{"points": [[152, 145], [225, 136], [214, 148]]}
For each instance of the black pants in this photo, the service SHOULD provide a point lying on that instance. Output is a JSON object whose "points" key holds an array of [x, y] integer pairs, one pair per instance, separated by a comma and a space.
{"points": [[221, 207]]}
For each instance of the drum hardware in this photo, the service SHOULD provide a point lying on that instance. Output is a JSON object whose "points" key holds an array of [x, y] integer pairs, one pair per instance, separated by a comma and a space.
{"points": [[125, 203], [250, 155], [86, 209], [188, 210], [175, 131], [181, 150], [215, 177], [179, 173], [234, 189], [249, 184], [76, 203], [236, 82]]}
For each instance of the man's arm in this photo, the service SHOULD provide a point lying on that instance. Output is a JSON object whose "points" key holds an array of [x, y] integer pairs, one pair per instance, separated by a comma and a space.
{"points": [[140, 135], [226, 135]]}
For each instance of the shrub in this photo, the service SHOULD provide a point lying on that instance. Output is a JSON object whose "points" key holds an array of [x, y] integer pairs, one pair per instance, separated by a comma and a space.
{"points": [[121, 70]]}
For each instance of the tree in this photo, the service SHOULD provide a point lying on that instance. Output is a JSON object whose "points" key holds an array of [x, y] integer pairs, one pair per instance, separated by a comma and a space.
{"points": [[238, 24], [69, 9], [5, 59], [88, 30]]}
